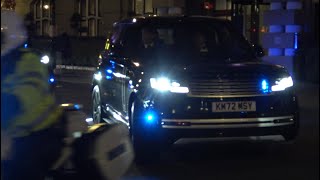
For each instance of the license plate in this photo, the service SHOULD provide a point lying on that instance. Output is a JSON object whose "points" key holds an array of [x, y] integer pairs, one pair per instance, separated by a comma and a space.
{"points": [[234, 106]]}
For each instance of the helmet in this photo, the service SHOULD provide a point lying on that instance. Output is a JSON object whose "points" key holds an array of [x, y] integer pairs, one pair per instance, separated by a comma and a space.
{"points": [[13, 32]]}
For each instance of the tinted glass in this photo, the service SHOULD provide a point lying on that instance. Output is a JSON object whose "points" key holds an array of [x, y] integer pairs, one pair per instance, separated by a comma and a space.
{"points": [[188, 42]]}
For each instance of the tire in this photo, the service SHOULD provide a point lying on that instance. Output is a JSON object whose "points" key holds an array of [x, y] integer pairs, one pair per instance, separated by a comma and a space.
{"points": [[97, 111], [290, 136], [147, 148]]}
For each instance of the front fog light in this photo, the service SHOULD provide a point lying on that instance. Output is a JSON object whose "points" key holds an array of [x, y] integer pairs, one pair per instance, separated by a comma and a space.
{"points": [[150, 117]]}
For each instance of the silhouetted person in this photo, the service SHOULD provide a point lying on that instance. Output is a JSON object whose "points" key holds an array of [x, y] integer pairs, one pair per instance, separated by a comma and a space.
{"points": [[150, 45], [200, 43], [63, 45]]}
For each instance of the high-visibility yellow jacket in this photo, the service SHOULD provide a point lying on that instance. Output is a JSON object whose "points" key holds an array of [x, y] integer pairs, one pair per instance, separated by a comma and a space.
{"points": [[26, 103]]}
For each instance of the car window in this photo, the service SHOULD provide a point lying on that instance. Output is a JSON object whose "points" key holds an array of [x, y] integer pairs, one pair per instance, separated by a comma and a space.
{"points": [[179, 42], [115, 36]]}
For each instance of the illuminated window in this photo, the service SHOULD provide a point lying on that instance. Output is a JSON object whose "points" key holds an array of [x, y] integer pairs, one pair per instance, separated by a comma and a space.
{"points": [[45, 27], [148, 6], [92, 27], [139, 6], [37, 9], [45, 8], [38, 28], [92, 7], [42, 11], [83, 7], [90, 12], [143, 6]]}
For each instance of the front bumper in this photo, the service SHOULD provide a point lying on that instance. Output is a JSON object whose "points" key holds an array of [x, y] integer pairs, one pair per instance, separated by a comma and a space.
{"points": [[226, 132], [181, 116], [227, 123]]}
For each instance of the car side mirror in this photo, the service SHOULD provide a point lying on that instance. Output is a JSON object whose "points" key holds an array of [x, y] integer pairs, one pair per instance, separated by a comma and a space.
{"points": [[258, 50]]}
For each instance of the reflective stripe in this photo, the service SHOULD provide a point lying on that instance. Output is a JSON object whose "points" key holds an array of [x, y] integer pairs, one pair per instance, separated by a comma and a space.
{"points": [[34, 75], [35, 85], [51, 119], [28, 127], [37, 112], [40, 118], [14, 80], [44, 120], [36, 121]]}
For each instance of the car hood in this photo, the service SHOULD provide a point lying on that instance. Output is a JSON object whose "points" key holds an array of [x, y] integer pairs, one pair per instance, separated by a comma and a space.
{"points": [[223, 71]]}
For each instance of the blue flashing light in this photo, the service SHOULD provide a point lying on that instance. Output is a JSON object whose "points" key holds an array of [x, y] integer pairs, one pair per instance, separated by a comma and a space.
{"points": [[108, 77], [112, 62], [295, 40], [109, 71], [76, 106], [51, 80], [264, 86], [150, 117], [25, 45]]}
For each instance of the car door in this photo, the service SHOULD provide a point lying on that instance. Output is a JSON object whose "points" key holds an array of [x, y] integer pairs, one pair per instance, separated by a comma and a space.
{"points": [[112, 69], [130, 64]]}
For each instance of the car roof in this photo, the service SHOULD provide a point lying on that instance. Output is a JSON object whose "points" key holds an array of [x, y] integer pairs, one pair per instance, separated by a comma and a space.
{"points": [[169, 19]]}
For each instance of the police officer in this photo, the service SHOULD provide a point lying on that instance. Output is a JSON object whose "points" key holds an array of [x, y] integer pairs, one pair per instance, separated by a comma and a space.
{"points": [[36, 134], [30, 133]]}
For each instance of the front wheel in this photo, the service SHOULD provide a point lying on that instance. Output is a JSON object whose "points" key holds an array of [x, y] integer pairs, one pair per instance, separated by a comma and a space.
{"points": [[146, 142], [290, 136], [97, 112]]}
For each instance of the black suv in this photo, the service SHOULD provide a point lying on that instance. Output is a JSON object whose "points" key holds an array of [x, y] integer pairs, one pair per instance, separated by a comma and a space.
{"points": [[196, 77]]}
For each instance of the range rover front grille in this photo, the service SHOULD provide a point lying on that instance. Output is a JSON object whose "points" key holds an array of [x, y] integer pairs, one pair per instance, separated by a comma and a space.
{"points": [[219, 87]]}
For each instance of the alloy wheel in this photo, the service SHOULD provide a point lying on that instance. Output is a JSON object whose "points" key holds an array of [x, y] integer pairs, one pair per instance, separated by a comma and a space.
{"points": [[96, 105]]}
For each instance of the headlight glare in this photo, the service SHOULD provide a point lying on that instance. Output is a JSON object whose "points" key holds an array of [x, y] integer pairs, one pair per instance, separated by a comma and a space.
{"points": [[98, 76], [282, 84], [161, 84], [45, 59], [164, 84]]}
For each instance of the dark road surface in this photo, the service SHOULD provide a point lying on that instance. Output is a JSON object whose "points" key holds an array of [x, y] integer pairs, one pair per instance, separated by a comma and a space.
{"points": [[219, 159]]}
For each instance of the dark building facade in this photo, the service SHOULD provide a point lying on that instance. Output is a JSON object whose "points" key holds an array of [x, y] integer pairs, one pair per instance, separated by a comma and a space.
{"points": [[261, 21]]}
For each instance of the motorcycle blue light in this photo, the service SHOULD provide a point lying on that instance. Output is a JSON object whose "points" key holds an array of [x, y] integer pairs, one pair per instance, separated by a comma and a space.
{"points": [[51, 80], [76, 106]]}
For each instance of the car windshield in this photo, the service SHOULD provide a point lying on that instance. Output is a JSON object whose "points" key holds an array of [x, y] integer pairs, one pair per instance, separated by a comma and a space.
{"points": [[187, 42]]}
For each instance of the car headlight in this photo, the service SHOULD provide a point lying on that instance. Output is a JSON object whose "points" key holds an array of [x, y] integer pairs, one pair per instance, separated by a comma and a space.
{"points": [[282, 83], [164, 84], [45, 59], [98, 76]]}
